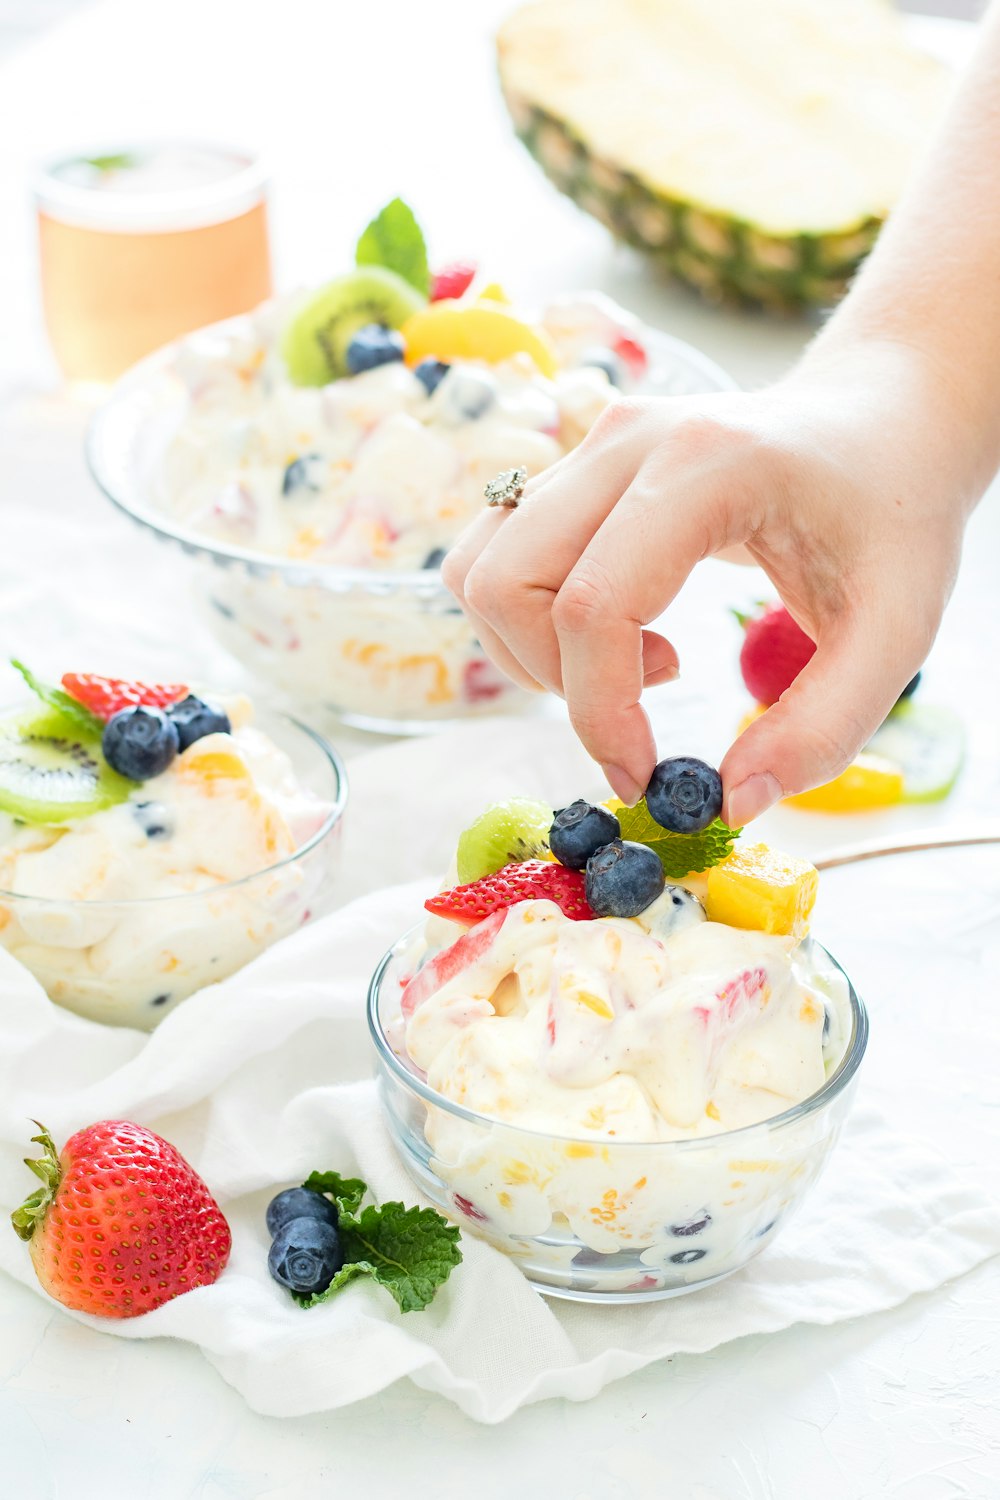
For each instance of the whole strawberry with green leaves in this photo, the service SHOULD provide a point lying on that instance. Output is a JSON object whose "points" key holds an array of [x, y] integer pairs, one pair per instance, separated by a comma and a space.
{"points": [[121, 1223]]}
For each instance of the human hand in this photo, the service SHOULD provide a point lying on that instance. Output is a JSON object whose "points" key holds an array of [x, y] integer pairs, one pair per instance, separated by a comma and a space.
{"points": [[842, 484]]}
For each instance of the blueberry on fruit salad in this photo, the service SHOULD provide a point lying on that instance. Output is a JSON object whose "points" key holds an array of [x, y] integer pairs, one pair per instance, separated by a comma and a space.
{"points": [[684, 794], [193, 719], [623, 879], [578, 831], [373, 345], [139, 743]]}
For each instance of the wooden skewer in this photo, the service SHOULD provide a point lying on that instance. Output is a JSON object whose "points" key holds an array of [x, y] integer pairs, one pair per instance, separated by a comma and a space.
{"points": [[961, 836]]}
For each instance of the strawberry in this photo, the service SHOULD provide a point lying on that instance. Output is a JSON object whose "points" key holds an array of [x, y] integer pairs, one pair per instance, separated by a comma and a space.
{"points": [[107, 696], [531, 880], [632, 354], [122, 1223], [452, 280], [774, 652], [482, 681]]}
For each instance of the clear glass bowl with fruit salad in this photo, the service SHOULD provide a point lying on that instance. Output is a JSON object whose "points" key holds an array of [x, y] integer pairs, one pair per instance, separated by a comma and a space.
{"points": [[154, 840], [316, 459], [630, 1104]]}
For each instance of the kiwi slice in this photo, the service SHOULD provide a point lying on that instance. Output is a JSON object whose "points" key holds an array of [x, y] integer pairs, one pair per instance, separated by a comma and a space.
{"points": [[505, 834], [928, 746], [315, 342], [50, 772]]}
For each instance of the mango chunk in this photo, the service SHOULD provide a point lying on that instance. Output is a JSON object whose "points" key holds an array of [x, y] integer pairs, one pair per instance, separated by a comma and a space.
{"points": [[760, 888]]}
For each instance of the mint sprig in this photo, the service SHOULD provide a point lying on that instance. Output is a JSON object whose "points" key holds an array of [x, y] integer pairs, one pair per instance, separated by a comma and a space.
{"points": [[395, 240], [409, 1251], [680, 853], [82, 720]]}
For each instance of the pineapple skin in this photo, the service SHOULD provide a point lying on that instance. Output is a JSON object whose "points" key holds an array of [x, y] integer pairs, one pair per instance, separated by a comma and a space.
{"points": [[725, 259]]}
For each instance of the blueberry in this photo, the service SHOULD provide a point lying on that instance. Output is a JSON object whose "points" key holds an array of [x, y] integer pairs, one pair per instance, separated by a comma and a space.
{"points": [[579, 831], [160, 999], [674, 910], [766, 1229], [194, 718], [305, 1255], [470, 394], [299, 1203], [435, 558], [430, 372], [687, 1257], [910, 689], [607, 360], [692, 1226], [684, 795], [623, 879], [153, 819], [373, 345], [139, 742], [826, 1022], [298, 475]]}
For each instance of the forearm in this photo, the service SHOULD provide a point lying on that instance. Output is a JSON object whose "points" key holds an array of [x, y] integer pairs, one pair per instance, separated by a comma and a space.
{"points": [[932, 285]]}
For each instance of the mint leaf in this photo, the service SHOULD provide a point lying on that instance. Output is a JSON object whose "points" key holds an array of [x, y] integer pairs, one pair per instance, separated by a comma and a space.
{"points": [[82, 720], [346, 1192], [395, 240], [409, 1251], [680, 853]]}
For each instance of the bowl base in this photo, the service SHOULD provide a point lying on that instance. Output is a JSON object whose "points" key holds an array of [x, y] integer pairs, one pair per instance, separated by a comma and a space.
{"points": [[577, 1294]]}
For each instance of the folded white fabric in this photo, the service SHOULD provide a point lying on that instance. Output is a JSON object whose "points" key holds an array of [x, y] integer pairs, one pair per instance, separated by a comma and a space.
{"points": [[266, 1076]]}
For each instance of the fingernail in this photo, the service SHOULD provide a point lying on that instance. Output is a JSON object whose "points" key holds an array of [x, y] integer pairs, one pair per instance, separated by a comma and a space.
{"points": [[657, 679], [751, 798], [623, 785]]}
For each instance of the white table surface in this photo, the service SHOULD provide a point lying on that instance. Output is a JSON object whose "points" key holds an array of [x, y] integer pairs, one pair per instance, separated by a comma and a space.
{"points": [[355, 103]]}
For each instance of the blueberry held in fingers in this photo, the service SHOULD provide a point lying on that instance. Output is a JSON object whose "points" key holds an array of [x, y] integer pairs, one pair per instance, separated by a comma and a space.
{"points": [[684, 794], [578, 831], [623, 879]]}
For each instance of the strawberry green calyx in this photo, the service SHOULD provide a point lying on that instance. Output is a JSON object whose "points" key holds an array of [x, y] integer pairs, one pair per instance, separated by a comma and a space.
{"points": [[49, 1169]]}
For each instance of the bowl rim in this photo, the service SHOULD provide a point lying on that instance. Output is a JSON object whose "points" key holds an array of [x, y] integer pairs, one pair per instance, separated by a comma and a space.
{"points": [[330, 822], [832, 1087], [110, 422]]}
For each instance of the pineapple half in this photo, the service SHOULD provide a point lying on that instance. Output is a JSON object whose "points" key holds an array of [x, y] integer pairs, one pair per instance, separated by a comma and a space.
{"points": [[753, 147]]}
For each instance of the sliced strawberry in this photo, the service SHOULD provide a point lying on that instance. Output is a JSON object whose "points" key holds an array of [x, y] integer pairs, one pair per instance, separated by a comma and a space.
{"points": [[452, 280], [531, 880], [106, 696], [632, 354], [451, 961], [482, 681], [775, 649]]}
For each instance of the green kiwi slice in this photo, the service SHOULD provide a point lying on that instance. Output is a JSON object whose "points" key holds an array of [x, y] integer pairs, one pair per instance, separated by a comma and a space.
{"points": [[314, 344], [506, 833], [50, 772], [928, 745]]}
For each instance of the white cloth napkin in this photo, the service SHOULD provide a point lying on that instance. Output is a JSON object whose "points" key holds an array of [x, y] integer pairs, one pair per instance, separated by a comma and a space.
{"points": [[266, 1076]]}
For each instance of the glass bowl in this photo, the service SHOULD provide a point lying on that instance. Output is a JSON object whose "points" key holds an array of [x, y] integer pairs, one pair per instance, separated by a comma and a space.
{"points": [[130, 962], [383, 651], [597, 1220]]}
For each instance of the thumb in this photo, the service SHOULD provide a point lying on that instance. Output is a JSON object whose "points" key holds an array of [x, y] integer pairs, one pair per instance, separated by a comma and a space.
{"points": [[820, 722]]}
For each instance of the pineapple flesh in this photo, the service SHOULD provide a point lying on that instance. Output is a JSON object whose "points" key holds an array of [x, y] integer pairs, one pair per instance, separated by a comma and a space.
{"points": [[752, 147]]}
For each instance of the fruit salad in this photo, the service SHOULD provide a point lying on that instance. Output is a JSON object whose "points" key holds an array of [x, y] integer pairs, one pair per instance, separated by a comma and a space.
{"points": [[152, 841], [916, 755], [356, 427], [604, 982]]}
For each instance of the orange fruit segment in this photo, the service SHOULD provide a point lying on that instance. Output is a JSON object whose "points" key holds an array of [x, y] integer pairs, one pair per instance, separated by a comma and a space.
{"points": [[870, 781], [474, 330], [760, 888]]}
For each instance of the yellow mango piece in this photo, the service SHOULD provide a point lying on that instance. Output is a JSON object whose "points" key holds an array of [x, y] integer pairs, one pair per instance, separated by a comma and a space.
{"points": [[494, 292], [474, 330], [213, 758], [869, 781], [757, 887]]}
